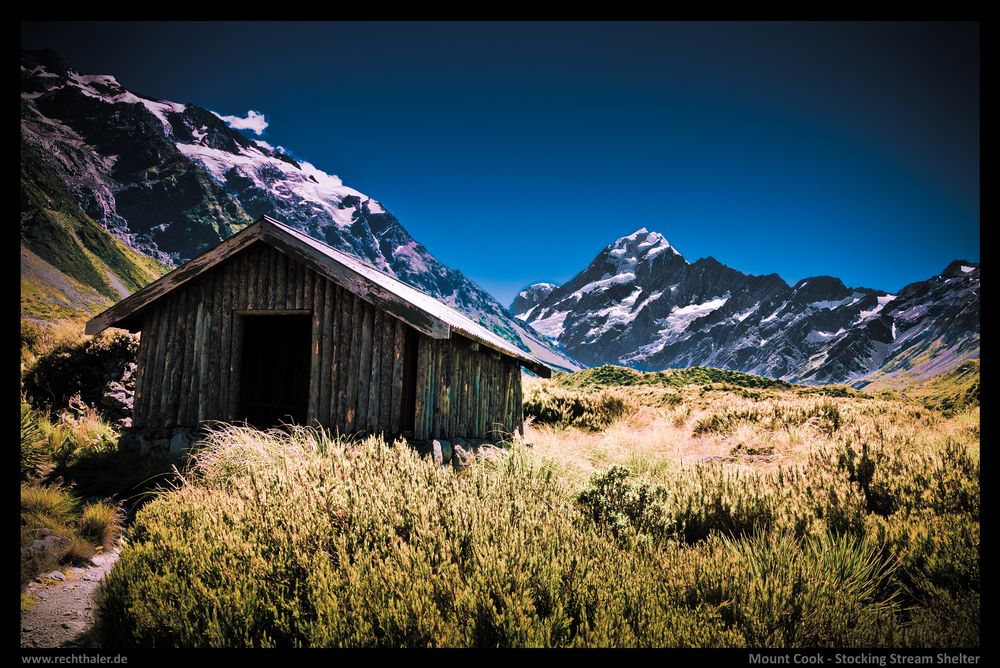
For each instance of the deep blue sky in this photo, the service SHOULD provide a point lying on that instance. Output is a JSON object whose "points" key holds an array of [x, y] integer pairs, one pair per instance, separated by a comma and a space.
{"points": [[516, 151]]}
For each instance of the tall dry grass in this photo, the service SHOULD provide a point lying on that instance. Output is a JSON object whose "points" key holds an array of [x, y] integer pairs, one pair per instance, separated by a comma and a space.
{"points": [[860, 529]]}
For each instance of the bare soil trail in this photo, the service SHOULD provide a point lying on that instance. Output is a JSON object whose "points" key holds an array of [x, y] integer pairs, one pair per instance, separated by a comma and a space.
{"points": [[64, 612]]}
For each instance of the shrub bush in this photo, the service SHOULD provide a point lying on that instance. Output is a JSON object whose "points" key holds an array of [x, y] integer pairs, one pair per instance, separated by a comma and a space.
{"points": [[83, 368], [594, 412]]}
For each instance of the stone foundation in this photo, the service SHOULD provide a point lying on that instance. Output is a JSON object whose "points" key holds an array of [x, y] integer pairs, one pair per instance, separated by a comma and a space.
{"points": [[168, 441]]}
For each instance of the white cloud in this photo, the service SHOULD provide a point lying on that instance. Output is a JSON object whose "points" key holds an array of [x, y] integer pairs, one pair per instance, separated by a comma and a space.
{"points": [[254, 121]]}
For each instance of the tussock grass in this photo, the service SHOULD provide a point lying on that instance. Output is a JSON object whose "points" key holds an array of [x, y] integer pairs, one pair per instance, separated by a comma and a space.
{"points": [[68, 531], [34, 453], [594, 412], [101, 523], [298, 539]]}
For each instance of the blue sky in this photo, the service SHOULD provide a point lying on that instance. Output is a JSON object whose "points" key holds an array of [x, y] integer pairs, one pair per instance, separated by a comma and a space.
{"points": [[516, 151]]}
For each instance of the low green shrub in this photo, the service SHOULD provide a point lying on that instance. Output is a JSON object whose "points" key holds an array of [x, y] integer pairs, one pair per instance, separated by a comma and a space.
{"points": [[563, 408], [81, 368]]}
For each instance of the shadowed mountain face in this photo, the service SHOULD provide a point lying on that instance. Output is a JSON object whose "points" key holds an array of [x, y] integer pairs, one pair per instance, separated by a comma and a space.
{"points": [[641, 304], [170, 180]]}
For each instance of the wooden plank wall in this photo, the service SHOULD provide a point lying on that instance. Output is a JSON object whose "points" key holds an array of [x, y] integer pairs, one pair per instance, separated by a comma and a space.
{"points": [[189, 357], [466, 390]]}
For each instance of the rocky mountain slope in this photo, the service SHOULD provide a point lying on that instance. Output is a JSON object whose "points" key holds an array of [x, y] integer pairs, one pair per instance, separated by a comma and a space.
{"points": [[168, 180], [641, 304]]}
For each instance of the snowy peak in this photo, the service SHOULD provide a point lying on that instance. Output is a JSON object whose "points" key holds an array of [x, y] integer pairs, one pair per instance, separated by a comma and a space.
{"points": [[960, 269], [529, 297], [637, 247]]}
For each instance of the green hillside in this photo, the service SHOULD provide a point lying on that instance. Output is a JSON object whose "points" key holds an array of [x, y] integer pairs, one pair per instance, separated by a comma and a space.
{"points": [[610, 375], [70, 265]]}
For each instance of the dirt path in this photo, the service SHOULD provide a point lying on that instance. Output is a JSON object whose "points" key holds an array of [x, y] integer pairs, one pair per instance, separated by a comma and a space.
{"points": [[64, 612]]}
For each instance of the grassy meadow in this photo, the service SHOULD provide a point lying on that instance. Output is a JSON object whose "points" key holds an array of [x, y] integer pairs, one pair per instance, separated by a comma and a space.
{"points": [[693, 507]]}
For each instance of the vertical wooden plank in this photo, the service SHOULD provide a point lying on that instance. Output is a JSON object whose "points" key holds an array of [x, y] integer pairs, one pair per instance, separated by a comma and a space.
{"points": [[195, 303], [146, 339], [374, 387], [151, 366], [474, 412], [152, 324], [466, 369], [385, 370], [281, 282], [433, 390], [350, 415], [421, 427], [343, 355], [203, 337], [214, 345], [295, 283], [511, 409], [508, 394], [235, 366], [457, 350], [275, 299], [456, 386], [493, 389], [396, 390], [315, 371], [433, 385], [240, 283], [518, 401], [260, 300], [486, 390], [264, 298], [225, 339], [186, 358], [365, 365], [333, 349], [307, 288], [501, 397], [272, 277], [326, 362], [215, 349], [451, 415], [171, 363], [441, 390], [154, 416], [268, 262]]}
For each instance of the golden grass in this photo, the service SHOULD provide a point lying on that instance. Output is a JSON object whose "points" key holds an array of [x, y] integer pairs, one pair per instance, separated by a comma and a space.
{"points": [[783, 427]]}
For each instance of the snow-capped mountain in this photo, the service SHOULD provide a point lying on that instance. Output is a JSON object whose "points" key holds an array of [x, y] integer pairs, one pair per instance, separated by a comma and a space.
{"points": [[641, 304], [171, 180], [527, 299]]}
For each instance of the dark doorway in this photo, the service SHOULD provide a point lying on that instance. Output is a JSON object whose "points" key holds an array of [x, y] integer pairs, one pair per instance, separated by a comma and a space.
{"points": [[408, 410], [274, 376]]}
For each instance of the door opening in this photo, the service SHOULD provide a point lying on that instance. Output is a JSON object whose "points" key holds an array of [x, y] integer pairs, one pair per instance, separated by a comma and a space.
{"points": [[274, 372], [409, 398]]}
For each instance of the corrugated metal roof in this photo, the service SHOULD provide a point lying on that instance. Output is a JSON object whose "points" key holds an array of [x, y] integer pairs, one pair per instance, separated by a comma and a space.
{"points": [[364, 279], [425, 302]]}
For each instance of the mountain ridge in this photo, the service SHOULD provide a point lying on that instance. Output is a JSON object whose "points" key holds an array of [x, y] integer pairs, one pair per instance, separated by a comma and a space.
{"points": [[170, 180], [654, 311]]}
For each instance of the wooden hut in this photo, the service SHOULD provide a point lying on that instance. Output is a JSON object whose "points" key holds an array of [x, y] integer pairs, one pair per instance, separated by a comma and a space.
{"points": [[274, 326]]}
